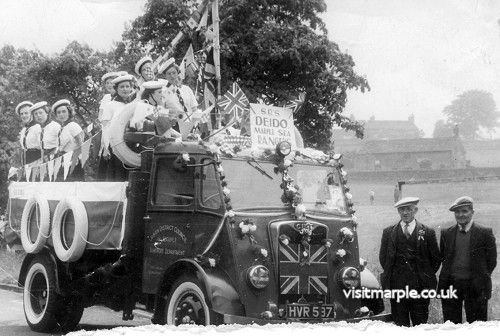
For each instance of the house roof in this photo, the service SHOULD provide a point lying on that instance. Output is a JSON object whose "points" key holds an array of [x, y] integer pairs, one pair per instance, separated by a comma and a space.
{"points": [[412, 145], [475, 145]]}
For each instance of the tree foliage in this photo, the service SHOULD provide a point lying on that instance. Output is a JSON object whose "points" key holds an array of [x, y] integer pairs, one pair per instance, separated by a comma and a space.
{"points": [[471, 111], [275, 49], [442, 129], [72, 75]]}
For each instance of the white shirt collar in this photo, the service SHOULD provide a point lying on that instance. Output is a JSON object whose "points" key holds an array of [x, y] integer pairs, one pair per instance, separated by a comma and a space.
{"points": [[467, 226], [411, 225]]}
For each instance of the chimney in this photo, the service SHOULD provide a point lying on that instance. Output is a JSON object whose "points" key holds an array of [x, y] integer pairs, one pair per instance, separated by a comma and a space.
{"points": [[411, 118]]}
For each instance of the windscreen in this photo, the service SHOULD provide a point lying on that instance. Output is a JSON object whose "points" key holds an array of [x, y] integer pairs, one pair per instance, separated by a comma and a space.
{"points": [[254, 184]]}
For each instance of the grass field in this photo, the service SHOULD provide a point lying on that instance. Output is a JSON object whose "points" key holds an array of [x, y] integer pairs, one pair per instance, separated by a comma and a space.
{"points": [[433, 211]]}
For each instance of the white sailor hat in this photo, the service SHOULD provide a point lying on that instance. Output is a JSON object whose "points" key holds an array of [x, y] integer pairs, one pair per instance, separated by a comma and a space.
{"points": [[167, 64], [405, 201], [122, 78], [121, 73], [108, 75], [140, 63], [22, 104], [37, 106], [60, 102], [153, 85], [461, 201]]}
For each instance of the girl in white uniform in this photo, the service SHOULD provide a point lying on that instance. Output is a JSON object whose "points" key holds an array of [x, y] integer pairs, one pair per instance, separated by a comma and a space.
{"points": [[29, 136], [71, 134], [108, 91], [49, 137], [110, 167]]}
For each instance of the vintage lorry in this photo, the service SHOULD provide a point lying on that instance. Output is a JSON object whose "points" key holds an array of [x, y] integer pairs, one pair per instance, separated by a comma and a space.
{"points": [[215, 235]]}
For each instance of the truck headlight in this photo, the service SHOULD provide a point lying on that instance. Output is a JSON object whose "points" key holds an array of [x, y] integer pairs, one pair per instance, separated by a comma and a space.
{"points": [[349, 277], [258, 276]]}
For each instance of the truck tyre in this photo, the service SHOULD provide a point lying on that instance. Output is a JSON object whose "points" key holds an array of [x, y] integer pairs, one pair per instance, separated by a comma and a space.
{"points": [[70, 246], [186, 303], [35, 221], [45, 310], [117, 129], [39, 295]]}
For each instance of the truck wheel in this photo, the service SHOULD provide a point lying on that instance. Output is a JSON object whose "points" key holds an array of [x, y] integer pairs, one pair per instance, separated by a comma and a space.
{"points": [[70, 313], [70, 229], [40, 299], [35, 224], [186, 303]]}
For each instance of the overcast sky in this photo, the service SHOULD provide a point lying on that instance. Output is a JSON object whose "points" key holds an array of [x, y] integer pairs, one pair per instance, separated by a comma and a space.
{"points": [[417, 55]]}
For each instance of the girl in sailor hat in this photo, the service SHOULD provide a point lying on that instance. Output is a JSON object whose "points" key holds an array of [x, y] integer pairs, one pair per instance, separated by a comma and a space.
{"points": [[29, 136], [108, 89], [71, 134], [49, 136], [111, 167]]}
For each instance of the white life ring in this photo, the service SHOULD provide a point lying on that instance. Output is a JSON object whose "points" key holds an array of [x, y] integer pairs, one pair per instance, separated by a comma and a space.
{"points": [[31, 245], [116, 130], [74, 250]]}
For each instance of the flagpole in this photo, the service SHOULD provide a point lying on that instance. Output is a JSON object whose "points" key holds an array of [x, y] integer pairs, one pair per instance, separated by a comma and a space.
{"points": [[215, 19], [178, 38]]}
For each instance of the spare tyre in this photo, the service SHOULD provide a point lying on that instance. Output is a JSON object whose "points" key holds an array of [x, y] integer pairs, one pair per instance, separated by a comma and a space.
{"points": [[35, 224], [70, 229]]}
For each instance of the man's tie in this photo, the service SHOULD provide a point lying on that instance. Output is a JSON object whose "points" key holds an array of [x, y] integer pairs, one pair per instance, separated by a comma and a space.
{"points": [[462, 229], [406, 231]]}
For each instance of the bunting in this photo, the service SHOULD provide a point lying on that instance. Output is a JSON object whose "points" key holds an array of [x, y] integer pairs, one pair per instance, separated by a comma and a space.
{"points": [[43, 171], [189, 63], [27, 170], [50, 169], [85, 151], [66, 163], [57, 166]]}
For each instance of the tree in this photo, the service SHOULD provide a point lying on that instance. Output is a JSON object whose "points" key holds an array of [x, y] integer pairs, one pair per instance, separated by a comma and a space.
{"points": [[472, 110], [442, 129], [275, 49], [71, 75]]}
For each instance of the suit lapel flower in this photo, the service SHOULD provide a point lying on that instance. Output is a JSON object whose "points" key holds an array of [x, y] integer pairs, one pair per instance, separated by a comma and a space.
{"points": [[421, 234]]}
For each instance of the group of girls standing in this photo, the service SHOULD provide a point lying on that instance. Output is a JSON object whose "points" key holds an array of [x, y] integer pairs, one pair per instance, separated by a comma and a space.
{"points": [[49, 131]]}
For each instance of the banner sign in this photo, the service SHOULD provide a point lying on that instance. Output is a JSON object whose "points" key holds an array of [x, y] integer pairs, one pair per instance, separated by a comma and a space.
{"points": [[270, 125]]}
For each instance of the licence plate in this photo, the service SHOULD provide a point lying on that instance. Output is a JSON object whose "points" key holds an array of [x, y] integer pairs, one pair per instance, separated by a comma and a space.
{"points": [[309, 311]]}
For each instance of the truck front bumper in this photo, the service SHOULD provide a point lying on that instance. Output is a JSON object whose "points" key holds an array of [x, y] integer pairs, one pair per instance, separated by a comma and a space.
{"points": [[234, 319]]}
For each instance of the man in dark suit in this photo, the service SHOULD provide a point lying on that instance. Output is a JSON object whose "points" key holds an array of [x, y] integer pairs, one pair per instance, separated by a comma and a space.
{"points": [[409, 255], [469, 255]]}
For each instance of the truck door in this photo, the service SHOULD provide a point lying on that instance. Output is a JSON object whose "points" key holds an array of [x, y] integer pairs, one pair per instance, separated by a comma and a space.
{"points": [[169, 218]]}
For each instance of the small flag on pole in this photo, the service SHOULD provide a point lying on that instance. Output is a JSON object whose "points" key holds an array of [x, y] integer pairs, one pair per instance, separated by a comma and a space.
{"points": [[296, 104], [234, 103]]}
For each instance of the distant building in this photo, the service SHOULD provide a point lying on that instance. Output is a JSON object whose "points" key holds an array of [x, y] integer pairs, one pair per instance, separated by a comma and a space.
{"points": [[398, 145], [407, 154], [483, 153]]}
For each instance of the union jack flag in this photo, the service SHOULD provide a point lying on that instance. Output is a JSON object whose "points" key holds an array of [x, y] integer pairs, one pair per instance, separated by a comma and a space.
{"points": [[303, 278], [296, 104], [234, 103]]}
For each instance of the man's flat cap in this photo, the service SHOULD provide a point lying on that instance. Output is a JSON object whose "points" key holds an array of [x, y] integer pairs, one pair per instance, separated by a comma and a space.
{"points": [[460, 202], [405, 201]]}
